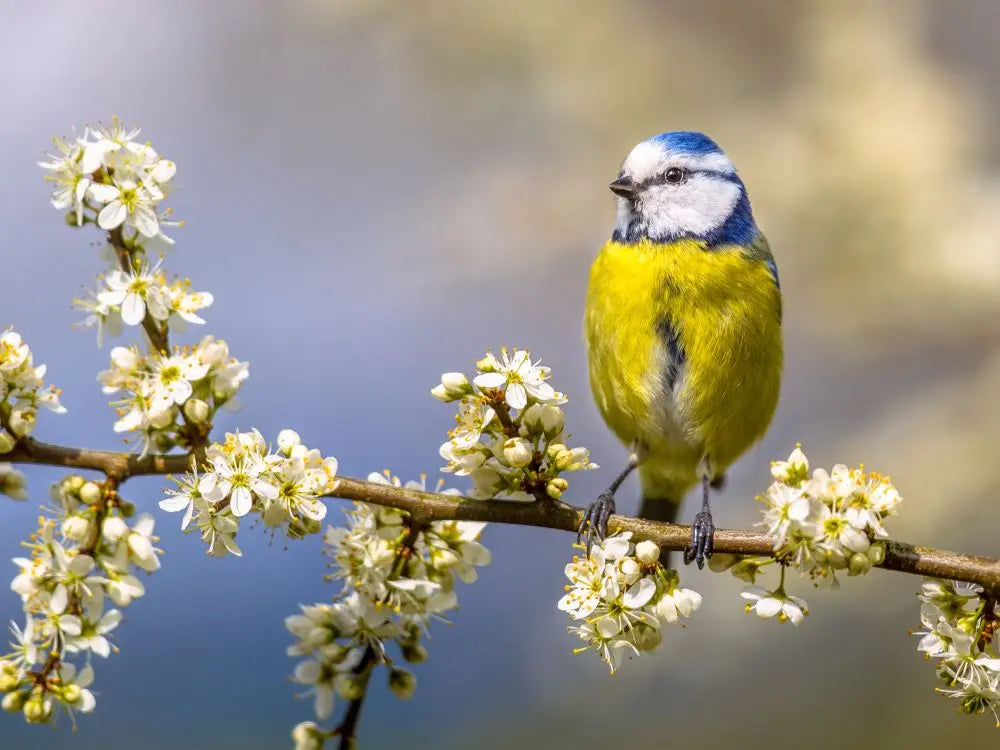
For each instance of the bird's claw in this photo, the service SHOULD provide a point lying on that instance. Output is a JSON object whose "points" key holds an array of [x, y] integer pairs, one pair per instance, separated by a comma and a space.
{"points": [[595, 520], [702, 539]]}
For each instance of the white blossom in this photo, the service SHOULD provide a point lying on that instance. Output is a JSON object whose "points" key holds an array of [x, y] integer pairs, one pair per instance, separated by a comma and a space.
{"points": [[620, 596], [829, 522], [21, 393], [777, 603], [520, 378], [959, 628], [396, 578], [508, 435]]}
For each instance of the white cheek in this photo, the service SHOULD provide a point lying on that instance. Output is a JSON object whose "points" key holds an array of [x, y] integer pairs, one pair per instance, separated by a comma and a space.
{"points": [[625, 215], [697, 207]]}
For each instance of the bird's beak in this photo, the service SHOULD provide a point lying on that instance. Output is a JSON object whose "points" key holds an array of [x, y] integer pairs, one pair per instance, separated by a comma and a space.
{"points": [[624, 187]]}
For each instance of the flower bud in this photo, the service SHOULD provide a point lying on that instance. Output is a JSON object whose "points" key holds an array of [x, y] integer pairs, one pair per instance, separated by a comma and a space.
{"points": [[12, 484], [859, 564], [90, 493], [36, 709], [114, 528], [794, 471], [746, 569], [287, 440], [556, 487], [573, 460], [518, 452], [402, 683], [308, 736], [21, 421], [414, 653], [453, 386], [531, 418], [349, 686], [127, 509], [553, 420], [876, 553], [647, 639], [13, 701], [73, 483], [647, 552], [72, 693], [487, 364], [9, 678], [76, 528], [6, 442], [164, 443], [554, 451], [456, 385], [197, 410]]}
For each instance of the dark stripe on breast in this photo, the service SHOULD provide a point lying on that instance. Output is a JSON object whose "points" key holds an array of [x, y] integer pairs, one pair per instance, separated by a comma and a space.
{"points": [[675, 352]]}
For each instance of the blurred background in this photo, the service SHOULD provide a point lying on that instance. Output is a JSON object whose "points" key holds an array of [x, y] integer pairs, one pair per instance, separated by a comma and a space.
{"points": [[376, 191]]}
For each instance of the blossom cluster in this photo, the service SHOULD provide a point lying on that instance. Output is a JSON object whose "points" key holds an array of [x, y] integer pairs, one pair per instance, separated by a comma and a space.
{"points": [[509, 434], [165, 394], [620, 597], [243, 475], [108, 177], [83, 558], [396, 576], [823, 524], [959, 630], [21, 391], [128, 296]]}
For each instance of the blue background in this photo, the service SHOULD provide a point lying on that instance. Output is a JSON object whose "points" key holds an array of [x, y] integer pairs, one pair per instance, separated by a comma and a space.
{"points": [[375, 193]]}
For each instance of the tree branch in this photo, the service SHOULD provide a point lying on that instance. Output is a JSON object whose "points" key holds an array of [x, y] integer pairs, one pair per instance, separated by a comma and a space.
{"points": [[430, 506], [119, 466]]}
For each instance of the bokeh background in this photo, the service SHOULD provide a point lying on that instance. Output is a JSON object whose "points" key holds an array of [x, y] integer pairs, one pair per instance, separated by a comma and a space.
{"points": [[377, 191]]}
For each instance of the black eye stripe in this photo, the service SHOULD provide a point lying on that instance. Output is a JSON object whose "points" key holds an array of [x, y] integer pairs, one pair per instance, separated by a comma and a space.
{"points": [[660, 179]]}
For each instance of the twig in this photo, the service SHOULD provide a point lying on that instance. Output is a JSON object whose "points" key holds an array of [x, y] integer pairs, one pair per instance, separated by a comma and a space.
{"points": [[120, 466], [348, 728], [430, 506], [157, 334]]}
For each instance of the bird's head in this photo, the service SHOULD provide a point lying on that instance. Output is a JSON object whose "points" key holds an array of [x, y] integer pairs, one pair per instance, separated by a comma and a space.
{"points": [[680, 185]]}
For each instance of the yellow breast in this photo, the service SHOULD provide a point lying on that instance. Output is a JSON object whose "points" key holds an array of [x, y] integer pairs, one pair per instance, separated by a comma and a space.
{"points": [[725, 310]]}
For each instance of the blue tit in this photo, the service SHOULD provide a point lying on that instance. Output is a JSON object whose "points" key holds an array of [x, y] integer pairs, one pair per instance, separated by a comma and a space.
{"points": [[683, 328]]}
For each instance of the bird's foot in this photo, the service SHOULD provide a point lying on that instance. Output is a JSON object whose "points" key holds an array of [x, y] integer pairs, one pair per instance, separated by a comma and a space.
{"points": [[595, 519], [702, 539]]}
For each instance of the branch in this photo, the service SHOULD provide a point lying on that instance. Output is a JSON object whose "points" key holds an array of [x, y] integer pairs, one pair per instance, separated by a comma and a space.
{"points": [[551, 514], [119, 466], [429, 506]]}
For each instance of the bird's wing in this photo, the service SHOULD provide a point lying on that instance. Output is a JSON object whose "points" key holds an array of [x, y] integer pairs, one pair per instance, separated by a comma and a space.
{"points": [[760, 250]]}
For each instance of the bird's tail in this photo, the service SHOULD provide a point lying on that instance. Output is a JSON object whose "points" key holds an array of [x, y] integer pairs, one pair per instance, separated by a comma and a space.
{"points": [[662, 490], [662, 493], [659, 508]]}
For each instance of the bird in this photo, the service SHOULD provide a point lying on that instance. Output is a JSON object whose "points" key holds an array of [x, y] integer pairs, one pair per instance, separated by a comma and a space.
{"points": [[683, 329]]}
